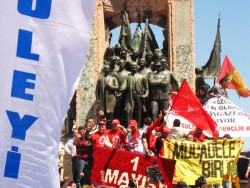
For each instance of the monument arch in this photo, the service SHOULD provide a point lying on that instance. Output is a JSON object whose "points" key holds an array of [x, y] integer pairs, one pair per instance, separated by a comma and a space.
{"points": [[175, 16]]}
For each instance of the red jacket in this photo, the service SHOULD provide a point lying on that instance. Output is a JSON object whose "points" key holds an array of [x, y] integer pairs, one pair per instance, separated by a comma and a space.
{"points": [[151, 139], [116, 138]]}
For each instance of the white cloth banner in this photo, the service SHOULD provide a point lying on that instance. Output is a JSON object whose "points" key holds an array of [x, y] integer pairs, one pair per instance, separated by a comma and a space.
{"points": [[42, 50], [230, 119]]}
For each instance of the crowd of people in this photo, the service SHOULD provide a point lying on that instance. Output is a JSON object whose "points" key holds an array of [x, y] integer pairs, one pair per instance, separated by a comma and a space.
{"points": [[132, 93], [133, 134], [147, 140]]}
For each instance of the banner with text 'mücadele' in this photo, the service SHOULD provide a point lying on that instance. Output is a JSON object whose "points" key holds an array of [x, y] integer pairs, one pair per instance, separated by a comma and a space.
{"points": [[42, 51], [215, 159]]}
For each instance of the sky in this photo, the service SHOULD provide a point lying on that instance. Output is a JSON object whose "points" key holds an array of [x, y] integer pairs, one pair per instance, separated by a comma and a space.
{"points": [[235, 39]]}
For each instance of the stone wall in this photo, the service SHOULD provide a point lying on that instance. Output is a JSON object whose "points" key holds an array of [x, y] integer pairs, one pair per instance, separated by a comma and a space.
{"points": [[184, 40], [85, 98]]}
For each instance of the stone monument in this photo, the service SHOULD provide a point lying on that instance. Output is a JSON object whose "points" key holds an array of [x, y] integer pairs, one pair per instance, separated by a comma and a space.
{"points": [[176, 17]]}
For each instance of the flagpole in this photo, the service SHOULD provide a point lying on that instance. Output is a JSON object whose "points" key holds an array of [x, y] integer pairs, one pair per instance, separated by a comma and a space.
{"points": [[213, 66], [218, 28]]}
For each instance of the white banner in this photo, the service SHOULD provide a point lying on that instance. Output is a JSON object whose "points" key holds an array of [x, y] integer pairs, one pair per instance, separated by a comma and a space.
{"points": [[42, 50], [229, 118]]}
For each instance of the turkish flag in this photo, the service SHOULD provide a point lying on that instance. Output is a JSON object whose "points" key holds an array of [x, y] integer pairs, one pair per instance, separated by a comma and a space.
{"points": [[187, 105]]}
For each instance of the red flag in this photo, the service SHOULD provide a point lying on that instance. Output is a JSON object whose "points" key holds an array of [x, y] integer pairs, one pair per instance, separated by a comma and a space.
{"points": [[187, 105], [236, 81], [226, 66]]}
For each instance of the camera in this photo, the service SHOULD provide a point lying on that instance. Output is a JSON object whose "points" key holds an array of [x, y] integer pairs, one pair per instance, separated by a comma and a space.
{"points": [[154, 173], [201, 181]]}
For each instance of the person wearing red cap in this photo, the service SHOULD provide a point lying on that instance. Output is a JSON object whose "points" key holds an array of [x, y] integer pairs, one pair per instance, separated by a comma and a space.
{"points": [[117, 135], [136, 139], [100, 138], [159, 148]]}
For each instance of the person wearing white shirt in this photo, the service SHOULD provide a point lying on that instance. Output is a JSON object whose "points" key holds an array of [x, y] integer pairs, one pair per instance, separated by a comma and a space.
{"points": [[70, 149], [176, 132], [136, 139]]}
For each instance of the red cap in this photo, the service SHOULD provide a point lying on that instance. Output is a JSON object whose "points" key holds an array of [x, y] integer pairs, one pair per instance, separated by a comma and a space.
{"points": [[166, 130], [115, 122], [102, 122], [132, 123]]}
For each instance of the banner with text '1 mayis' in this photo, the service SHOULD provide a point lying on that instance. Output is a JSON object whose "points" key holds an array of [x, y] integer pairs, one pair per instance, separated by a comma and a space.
{"points": [[42, 51], [115, 168]]}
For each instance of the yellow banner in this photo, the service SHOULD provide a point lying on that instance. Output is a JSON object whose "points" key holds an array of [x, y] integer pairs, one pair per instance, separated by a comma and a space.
{"points": [[214, 158]]}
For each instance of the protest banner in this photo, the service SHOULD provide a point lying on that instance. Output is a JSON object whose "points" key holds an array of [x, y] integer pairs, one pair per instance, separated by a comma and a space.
{"points": [[42, 51], [230, 118], [215, 159], [118, 167]]}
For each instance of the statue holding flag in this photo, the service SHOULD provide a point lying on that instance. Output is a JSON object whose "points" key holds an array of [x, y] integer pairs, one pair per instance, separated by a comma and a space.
{"points": [[125, 38]]}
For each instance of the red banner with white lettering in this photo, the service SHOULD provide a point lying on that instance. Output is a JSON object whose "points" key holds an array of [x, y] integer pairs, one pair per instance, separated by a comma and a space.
{"points": [[115, 168]]}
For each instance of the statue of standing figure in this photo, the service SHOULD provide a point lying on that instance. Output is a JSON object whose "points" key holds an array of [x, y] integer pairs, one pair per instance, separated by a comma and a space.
{"points": [[160, 87], [120, 73], [136, 88], [106, 88]]}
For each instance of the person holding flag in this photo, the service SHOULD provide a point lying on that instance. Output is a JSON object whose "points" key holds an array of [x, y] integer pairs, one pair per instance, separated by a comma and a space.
{"points": [[220, 89], [236, 81]]}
